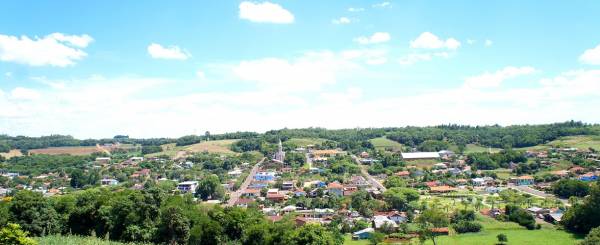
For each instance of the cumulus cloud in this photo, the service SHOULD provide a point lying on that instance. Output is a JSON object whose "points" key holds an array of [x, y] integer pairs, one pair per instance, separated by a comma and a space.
{"points": [[265, 12], [56, 49], [377, 37], [20, 93], [157, 51], [311, 71], [495, 79], [341, 21], [428, 40], [591, 56]]}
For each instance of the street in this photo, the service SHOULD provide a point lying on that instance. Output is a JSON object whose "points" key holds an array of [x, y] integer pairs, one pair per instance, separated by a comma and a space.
{"points": [[233, 197]]}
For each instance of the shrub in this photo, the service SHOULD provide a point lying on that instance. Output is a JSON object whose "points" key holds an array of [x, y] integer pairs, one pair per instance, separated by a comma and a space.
{"points": [[466, 226]]}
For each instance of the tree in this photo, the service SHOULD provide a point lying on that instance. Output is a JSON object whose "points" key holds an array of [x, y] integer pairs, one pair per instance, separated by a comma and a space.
{"points": [[12, 234], [210, 188], [34, 213], [376, 238], [399, 198], [581, 218], [77, 179], [592, 238], [174, 227], [312, 234], [394, 181], [566, 188], [429, 219], [502, 238]]}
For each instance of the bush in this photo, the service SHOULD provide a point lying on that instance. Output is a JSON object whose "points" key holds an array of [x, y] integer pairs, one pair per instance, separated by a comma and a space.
{"points": [[463, 215], [466, 226], [520, 216]]}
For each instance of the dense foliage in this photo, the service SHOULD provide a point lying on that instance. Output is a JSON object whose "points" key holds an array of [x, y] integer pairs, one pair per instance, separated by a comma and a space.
{"points": [[583, 217], [520, 216], [566, 188], [487, 161]]}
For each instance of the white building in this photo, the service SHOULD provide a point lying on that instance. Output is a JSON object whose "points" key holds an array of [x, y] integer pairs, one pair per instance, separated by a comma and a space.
{"points": [[187, 186], [420, 155]]}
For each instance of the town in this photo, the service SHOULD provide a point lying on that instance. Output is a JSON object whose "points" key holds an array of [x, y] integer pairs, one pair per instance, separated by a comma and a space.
{"points": [[359, 186]]}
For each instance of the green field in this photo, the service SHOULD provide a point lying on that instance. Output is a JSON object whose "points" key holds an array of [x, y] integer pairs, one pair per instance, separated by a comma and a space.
{"points": [[305, 141], [383, 143], [515, 234], [471, 148], [579, 142], [75, 240], [213, 146]]}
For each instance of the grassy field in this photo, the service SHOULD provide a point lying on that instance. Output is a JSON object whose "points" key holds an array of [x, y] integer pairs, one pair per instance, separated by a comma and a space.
{"points": [[581, 142], [75, 240], [383, 143], [305, 141], [215, 146], [471, 148], [348, 241], [11, 153], [515, 234], [72, 150]]}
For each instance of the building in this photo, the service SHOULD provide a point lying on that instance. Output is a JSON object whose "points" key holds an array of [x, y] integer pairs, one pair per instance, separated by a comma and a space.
{"points": [[264, 176], [280, 154], [403, 174], [363, 234], [287, 185], [588, 177], [107, 181], [524, 180], [188, 186], [381, 220], [411, 156], [335, 188], [103, 159], [441, 189]]}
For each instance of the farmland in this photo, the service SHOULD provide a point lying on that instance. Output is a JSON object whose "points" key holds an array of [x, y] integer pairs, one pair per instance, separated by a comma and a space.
{"points": [[215, 146], [305, 141], [11, 153], [71, 150], [383, 143]]}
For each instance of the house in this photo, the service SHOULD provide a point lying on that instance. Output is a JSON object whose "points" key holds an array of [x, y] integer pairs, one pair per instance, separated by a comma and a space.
{"points": [[107, 181], [287, 185], [397, 217], [493, 189], [411, 156], [591, 176], [441, 189], [349, 190], [335, 188], [364, 154], [478, 182], [251, 193], [553, 217], [537, 211], [102, 159], [440, 166], [359, 181], [446, 153], [187, 186], [402, 174], [235, 173], [524, 180], [363, 234], [264, 176], [276, 197], [382, 220]]}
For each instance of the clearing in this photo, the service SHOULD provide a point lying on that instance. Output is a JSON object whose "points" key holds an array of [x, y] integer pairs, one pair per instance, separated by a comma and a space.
{"points": [[11, 153], [472, 148], [214, 146], [305, 141], [383, 143]]}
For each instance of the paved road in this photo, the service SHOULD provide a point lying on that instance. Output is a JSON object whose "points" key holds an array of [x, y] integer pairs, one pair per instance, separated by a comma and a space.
{"points": [[233, 197], [534, 192], [373, 181]]}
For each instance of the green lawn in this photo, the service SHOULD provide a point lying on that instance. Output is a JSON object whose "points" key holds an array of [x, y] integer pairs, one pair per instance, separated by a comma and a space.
{"points": [[472, 148], [515, 234], [383, 143], [580, 142], [348, 240], [75, 240], [305, 141]]}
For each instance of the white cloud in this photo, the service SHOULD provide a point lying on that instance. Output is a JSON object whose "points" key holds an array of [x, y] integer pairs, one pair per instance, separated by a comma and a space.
{"points": [[353, 9], [368, 56], [495, 79], [341, 21], [488, 43], [20, 93], [377, 37], [382, 5], [428, 40], [591, 56], [200, 74], [265, 12], [157, 51], [418, 57], [56, 49], [308, 72]]}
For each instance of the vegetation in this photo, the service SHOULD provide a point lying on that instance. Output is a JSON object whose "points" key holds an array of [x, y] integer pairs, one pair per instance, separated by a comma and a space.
{"points": [[566, 188], [583, 217]]}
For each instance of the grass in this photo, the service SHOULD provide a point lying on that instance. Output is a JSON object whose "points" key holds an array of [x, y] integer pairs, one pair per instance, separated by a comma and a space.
{"points": [[305, 141], [472, 148], [515, 234], [579, 142], [383, 143], [348, 240], [11, 153], [75, 240], [214, 146]]}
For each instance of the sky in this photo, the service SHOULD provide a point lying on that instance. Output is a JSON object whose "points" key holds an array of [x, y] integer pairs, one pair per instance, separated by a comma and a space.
{"points": [[174, 68]]}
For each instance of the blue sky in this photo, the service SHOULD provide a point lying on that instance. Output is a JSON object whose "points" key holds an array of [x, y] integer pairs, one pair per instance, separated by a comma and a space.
{"points": [[154, 68]]}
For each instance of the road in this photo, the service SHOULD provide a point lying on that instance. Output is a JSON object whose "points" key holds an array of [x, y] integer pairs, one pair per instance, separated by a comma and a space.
{"points": [[373, 181], [534, 192], [308, 161], [233, 197]]}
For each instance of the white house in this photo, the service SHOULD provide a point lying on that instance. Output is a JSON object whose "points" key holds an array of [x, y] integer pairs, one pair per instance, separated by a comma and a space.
{"points": [[106, 181], [408, 156], [187, 186]]}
